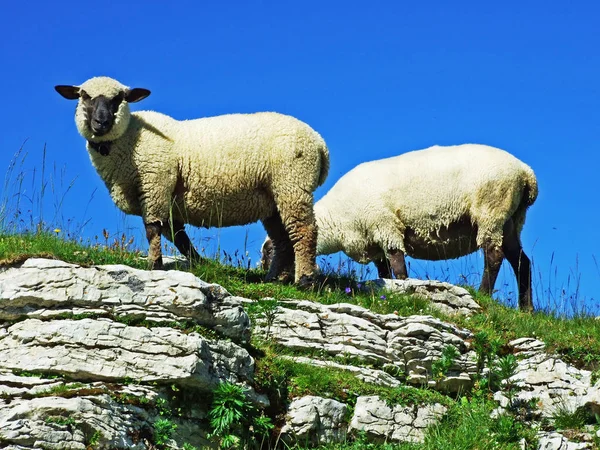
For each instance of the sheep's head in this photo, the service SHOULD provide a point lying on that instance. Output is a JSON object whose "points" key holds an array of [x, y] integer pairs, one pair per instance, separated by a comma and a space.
{"points": [[267, 252], [103, 109]]}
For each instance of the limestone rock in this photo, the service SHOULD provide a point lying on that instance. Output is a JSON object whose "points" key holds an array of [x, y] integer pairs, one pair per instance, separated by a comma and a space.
{"points": [[44, 288], [315, 420], [409, 345], [554, 384], [105, 350], [398, 423], [70, 423], [445, 297], [75, 370], [556, 441]]}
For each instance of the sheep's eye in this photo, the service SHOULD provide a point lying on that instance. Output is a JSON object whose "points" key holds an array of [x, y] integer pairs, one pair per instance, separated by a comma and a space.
{"points": [[116, 102]]}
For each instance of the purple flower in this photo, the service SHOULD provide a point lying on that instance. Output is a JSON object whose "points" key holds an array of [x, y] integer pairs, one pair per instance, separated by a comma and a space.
{"points": [[348, 290], [358, 286], [383, 297]]}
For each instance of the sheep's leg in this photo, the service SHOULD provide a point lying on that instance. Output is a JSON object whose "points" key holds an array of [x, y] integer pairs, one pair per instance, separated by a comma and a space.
{"points": [[511, 244], [398, 264], [154, 250], [298, 218], [383, 267], [178, 236], [492, 260], [282, 262]]}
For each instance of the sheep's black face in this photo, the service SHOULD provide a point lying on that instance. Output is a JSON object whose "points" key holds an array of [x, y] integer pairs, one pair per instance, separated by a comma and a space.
{"points": [[100, 112]]}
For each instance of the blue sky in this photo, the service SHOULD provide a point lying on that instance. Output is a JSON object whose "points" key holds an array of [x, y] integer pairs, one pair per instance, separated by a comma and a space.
{"points": [[376, 79]]}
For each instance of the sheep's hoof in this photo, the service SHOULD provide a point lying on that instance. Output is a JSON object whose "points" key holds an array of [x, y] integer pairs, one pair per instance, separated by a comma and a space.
{"points": [[306, 282], [283, 276], [156, 265]]}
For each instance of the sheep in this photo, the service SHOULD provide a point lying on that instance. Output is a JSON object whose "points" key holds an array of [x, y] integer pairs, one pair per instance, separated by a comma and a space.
{"points": [[217, 171], [436, 203]]}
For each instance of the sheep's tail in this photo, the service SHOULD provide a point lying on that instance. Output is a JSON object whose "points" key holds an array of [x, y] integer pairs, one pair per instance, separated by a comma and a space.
{"points": [[530, 191], [324, 153], [528, 197]]}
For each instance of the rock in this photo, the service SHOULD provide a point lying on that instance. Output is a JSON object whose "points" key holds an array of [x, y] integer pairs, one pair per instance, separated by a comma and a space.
{"points": [[556, 441], [78, 368], [44, 289], [70, 423], [383, 423], [591, 400], [315, 420], [552, 383], [445, 297], [408, 345], [105, 350]]}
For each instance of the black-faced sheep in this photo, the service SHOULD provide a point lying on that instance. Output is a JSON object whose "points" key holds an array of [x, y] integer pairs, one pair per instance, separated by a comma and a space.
{"points": [[217, 171], [434, 204]]}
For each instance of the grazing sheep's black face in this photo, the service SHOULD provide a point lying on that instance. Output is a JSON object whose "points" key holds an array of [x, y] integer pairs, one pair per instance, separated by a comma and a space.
{"points": [[100, 111]]}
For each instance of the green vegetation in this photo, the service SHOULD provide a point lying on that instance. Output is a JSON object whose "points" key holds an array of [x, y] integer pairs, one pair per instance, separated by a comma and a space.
{"points": [[234, 420], [163, 430], [59, 420]]}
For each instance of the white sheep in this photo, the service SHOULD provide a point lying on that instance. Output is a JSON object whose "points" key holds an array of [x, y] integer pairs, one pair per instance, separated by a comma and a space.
{"points": [[434, 204], [217, 171]]}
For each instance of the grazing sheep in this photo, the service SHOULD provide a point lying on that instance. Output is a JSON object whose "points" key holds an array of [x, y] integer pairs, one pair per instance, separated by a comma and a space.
{"points": [[217, 171], [437, 203]]}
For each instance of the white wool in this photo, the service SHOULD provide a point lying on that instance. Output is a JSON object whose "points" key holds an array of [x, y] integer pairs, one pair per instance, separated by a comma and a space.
{"points": [[94, 87], [371, 207]]}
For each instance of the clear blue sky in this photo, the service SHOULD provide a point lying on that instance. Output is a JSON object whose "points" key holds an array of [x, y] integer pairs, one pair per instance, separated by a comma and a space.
{"points": [[376, 79]]}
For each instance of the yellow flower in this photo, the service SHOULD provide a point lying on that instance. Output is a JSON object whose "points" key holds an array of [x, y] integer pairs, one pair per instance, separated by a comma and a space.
{"points": [[57, 230]]}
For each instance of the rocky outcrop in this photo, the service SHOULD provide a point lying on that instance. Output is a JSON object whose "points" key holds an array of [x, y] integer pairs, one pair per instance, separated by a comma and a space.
{"points": [[407, 346], [384, 423], [444, 297], [77, 368], [315, 420], [548, 381], [49, 289], [556, 441]]}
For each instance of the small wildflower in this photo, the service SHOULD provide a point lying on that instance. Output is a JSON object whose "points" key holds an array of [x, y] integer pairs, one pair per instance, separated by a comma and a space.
{"points": [[358, 285], [348, 290], [57, 230], [383, 297]]}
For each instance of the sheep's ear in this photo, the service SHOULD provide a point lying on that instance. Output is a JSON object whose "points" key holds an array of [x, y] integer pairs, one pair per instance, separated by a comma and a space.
{"points": [[68, 92], [136, 94]]}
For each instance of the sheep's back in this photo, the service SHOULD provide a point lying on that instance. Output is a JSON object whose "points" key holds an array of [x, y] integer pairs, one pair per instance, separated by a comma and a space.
{"points": [[428, 188], [232, 166]]}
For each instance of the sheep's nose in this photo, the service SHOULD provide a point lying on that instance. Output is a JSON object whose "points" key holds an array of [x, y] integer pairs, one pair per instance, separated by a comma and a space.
{"points": [[100, 124]]}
